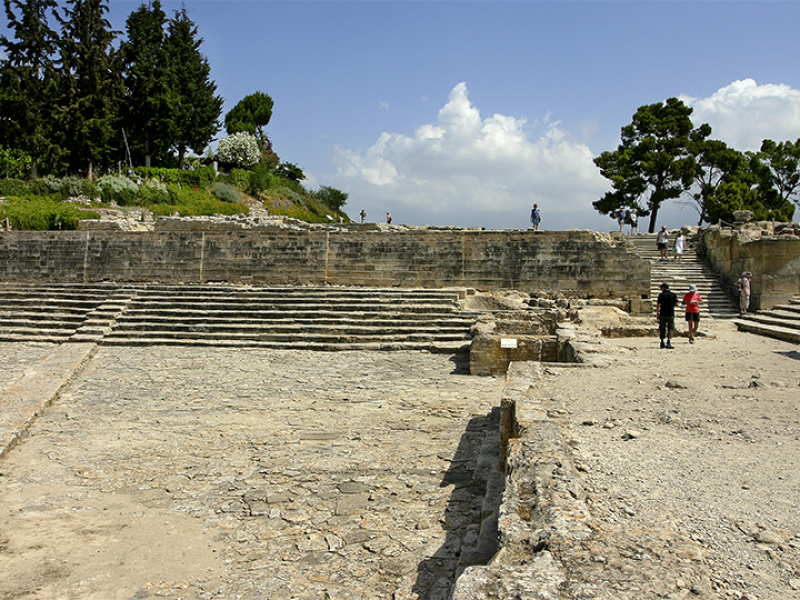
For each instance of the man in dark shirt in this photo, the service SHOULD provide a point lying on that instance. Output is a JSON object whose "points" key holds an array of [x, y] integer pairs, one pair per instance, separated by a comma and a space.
{"points": [[665, 309]]}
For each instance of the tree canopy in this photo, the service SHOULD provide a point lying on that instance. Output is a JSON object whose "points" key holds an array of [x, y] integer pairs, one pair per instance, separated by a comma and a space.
{"points": [[90, 85], [653, 163], [251, 114], [663, 156], [151, 99], [198, 106], [26, 78]]}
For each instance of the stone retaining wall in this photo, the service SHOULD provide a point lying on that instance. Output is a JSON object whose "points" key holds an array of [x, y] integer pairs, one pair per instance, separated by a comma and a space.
{"points": [[578, 264], [770, 251]]}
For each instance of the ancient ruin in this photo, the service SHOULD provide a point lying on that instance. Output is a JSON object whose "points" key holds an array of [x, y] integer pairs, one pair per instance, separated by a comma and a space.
{"points": [[512, 517]]}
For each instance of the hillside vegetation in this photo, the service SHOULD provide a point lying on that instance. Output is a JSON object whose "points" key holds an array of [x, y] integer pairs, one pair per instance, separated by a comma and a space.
{"points": [[51, 203]]}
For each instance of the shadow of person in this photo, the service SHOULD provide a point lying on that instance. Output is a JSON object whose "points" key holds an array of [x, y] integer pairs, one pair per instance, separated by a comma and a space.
{"points": [[471, 514], [790, 354]]}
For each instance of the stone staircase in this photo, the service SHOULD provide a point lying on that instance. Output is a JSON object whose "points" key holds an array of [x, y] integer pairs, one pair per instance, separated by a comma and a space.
{"points": [[311, 318], [782, 322], [681, 274]]}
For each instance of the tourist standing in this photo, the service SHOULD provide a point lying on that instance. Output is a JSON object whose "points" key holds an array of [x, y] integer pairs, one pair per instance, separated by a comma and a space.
{"points": [[634, 221], [536, 217], [692, 300], [389, 218], [680, 246], [662, 242], [620, 218], [744, 292], [363, 215], [665, 311]]}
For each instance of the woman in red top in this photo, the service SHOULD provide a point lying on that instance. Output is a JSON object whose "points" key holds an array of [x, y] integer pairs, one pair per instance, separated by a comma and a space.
{"points": [[692, 300]]}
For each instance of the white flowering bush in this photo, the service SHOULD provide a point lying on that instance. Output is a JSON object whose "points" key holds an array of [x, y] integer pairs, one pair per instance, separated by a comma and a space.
{"points": [[240, 149]]}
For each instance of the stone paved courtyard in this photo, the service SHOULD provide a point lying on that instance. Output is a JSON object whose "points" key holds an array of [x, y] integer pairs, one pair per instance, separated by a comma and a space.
{"points": [[237, 473]]}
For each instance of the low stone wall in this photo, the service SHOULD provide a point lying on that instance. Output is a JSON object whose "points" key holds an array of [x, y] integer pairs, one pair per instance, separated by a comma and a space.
{"points": [[769, 250], [577, 264], [543, 503]]}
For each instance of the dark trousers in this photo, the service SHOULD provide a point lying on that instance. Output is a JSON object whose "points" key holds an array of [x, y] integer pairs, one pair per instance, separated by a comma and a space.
{"points": [[666, 325]]}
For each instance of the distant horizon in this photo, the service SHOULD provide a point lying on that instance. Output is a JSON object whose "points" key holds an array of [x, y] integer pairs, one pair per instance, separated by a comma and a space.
{"points": [[466, 113]]}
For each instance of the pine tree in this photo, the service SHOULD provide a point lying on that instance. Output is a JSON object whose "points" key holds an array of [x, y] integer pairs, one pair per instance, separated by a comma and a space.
{"points": [[26, 79], [198, 107], [90, 85], [151, 95]]}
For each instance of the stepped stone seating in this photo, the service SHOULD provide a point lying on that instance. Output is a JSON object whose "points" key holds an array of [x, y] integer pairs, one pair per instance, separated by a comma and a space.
{"points": [[782, 322], [319, 318], [681, 274]]}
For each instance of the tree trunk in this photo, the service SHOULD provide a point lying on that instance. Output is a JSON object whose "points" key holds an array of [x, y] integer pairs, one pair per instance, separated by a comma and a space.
{"points": [[653, 220]]}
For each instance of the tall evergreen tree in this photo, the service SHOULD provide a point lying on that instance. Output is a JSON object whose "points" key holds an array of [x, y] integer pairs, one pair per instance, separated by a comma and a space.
{"points": [[151, 95], [198, 107], [90, 85], [26, 78]]}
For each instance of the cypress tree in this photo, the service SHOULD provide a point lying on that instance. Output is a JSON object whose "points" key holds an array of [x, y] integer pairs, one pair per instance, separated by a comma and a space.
{"points": [[90, 85], [149, 114], [26, 79], [198, 108]]}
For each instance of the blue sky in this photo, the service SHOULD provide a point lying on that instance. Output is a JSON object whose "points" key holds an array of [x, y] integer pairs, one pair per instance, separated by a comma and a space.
{"points": [[465, 113]]}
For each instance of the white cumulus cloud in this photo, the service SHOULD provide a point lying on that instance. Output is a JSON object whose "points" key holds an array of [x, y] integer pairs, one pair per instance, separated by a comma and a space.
{"points": [[466, 170], [744, 113]]}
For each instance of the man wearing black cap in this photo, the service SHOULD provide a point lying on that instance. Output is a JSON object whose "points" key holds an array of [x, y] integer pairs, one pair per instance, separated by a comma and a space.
{"points": [[665, 309]]}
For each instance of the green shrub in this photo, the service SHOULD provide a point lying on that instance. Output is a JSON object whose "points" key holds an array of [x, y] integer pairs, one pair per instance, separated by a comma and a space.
{"points": [[121, 190], [239, 178], [224, 192], [331, 197], [199, 177], [14, 163], [49, 185], [261, 178], [298, 212], [71, 187], [14, 187], [192, 203], [43, 214], [152, 192]]}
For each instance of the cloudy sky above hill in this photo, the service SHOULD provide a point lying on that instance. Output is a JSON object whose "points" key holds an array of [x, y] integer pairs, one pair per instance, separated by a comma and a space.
{"points": [[466, 112]]}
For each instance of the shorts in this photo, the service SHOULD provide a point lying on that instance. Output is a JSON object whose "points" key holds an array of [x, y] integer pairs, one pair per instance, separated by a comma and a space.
{"points": [[695, 317], [661, 245]]}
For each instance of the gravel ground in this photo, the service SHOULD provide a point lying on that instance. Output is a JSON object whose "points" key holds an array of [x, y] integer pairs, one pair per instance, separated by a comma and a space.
{"points": [[699, 445]]}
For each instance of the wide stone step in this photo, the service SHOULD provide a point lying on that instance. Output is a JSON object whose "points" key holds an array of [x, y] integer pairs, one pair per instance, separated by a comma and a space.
{"points": [[787, 334], [233, 327], [146, 322], [232, 307], [434, 346], [320, 315], [312, 318], [35, 334], [769, 318], [41, 317]]}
